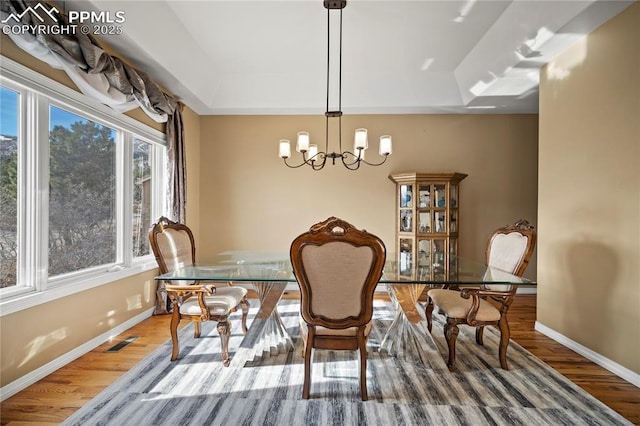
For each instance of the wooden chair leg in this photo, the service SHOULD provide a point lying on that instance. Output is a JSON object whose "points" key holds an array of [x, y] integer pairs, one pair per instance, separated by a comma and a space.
{"points": [[244, 305], [224, 330], [196, 329], [451, 334], [308, 358], [362, 346], [428, 311], [479, 335], [304, 345], [173, 328], [505, 334]]}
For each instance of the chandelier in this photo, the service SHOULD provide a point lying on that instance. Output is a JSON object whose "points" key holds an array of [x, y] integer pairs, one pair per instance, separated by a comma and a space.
{"points": [[311, 155]]}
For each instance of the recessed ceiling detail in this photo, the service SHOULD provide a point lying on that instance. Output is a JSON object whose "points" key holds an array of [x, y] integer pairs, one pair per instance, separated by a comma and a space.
{"points": [[262, 57]]}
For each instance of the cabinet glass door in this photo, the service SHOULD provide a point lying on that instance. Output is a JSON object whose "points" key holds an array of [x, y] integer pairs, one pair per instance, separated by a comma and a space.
{"points": [[424, 196], [406, 257], [439, 258], [439, 221], [406, 196], [453, 260], [424, 253], [440, 199], [424, 222], [453, 226], [406, 220]]}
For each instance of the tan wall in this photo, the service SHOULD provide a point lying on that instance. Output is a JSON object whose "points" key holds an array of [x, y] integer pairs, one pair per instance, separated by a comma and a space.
{"points": [[31, 338], [589, 192], [250, 200]]}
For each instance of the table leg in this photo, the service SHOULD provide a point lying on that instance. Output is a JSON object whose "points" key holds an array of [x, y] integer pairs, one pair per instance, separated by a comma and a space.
{"points": [[275, 338], [401, 339], [267, 334]]}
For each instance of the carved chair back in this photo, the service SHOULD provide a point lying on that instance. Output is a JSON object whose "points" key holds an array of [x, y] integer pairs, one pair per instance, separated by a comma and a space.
{"points": [[509, 249], [337, 267]]}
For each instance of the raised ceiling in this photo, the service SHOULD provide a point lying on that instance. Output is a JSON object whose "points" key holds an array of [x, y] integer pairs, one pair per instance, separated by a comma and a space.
{"points": [[269, 57]]}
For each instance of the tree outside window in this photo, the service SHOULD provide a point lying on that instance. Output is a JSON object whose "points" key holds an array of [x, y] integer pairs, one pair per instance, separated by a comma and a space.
{"points": [[82, 193]]}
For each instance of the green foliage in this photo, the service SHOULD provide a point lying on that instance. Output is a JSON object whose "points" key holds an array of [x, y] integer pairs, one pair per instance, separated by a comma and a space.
{"points": [[83, 155], [9, 177], [81, 197]]}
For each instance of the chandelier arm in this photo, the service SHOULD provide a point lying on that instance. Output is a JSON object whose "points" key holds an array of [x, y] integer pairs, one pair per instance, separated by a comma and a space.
{"points": [[345, 156], [319, 166], [376, 164], [292, 166], [313, 162], [357, 159], [350, 166]]}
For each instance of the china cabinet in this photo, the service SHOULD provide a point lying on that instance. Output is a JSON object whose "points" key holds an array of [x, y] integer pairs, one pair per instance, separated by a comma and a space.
{"points": [[427, 223]]}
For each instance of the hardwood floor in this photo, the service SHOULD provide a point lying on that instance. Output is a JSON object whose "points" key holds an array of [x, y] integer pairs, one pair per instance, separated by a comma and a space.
{"points": [[57, 396]]}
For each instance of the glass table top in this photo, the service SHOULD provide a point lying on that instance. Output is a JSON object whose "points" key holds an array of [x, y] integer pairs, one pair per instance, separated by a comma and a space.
{"points": [[267, 266]]}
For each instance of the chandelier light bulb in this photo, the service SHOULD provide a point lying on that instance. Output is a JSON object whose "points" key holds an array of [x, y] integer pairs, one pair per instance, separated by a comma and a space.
{"points": [[360, 140], [285, 148], [303, 142], [385, 145], [313, 152]]}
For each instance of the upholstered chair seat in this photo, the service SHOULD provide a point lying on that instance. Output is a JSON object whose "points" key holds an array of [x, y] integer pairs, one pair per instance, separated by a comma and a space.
{"points": [[449, 301], [224, 300]]}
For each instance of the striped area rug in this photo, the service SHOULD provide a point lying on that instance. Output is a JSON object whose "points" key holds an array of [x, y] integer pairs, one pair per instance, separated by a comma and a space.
{"points": [[197, 390]]}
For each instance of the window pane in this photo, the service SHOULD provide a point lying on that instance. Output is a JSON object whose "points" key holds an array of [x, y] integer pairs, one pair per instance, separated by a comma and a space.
{"points": [[142, 184], [82, 193], [9, 113]]}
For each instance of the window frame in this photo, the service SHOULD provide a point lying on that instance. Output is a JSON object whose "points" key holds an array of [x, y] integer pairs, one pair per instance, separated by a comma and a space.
{"points": [[37, 94]]}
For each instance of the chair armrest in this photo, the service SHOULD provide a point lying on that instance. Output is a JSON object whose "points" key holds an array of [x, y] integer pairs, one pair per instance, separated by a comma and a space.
{"points": [[476, 294], [467, 292], [182, 290]]}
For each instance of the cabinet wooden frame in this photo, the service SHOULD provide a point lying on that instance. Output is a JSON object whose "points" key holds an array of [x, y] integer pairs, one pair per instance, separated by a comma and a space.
{"points": [[427, 222]]}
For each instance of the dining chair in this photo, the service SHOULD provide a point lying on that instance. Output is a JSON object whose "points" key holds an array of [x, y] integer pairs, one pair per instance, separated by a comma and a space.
{"points": [[174, 247], [509, 249], [337, 268]]}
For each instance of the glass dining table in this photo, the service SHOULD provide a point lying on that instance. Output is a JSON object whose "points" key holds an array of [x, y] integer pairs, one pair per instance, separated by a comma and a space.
{"points": [[270, 274]]}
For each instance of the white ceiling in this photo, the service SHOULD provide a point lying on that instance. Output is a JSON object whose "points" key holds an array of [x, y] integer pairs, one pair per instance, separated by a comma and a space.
{"points": [[269, 57]]}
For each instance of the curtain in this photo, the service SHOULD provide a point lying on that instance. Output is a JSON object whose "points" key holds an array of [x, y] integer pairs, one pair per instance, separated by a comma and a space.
{"points": [[108, 80]]}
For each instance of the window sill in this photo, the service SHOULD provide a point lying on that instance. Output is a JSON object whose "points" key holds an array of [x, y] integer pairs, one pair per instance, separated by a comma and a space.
{"points": [[28, 300]]}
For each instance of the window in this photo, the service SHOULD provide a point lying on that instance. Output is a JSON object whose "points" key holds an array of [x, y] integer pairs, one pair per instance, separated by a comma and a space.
{"points": [[80, 185], [142, 184], [10, 112], [82, 193]]}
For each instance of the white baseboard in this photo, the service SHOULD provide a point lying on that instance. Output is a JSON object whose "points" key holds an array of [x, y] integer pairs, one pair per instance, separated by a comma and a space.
{"points": [[39, 373], [617, 369], [527, 290]]}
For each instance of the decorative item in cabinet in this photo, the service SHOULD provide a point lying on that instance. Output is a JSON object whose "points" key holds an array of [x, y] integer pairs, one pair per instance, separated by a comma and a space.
{"points": [[427, 223]]}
